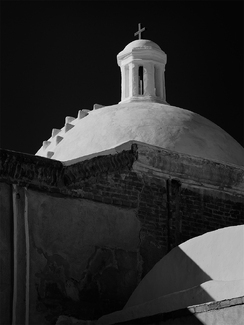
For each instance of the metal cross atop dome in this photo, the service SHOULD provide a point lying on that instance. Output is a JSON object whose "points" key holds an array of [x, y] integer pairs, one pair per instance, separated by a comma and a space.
{"points": [[140, 30]]}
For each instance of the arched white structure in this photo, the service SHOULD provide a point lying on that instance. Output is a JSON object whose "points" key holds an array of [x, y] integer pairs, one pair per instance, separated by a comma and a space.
{"points": [[203, 269]]}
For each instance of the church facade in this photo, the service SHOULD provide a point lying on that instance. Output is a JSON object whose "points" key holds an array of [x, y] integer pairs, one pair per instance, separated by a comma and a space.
{"points": [[84, 220]]}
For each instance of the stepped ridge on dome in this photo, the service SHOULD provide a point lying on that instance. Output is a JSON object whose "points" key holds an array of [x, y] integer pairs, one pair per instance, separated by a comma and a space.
{"points": [[161, 125]]}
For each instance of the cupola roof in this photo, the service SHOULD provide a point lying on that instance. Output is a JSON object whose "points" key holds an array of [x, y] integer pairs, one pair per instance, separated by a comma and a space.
{"points": [[140, 44]]}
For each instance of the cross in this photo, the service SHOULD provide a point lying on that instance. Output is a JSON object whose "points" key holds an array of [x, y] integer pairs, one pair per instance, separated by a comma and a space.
{"points": [[140, 30]]}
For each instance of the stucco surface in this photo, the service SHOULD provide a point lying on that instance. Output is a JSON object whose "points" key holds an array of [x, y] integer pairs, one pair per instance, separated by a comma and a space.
{"points": [[76, 248], [157, 124], [74, 227], [206, 268]]}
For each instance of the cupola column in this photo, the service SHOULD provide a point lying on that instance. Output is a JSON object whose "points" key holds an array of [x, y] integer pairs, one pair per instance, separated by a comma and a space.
{"points": [[162, 82], [133, 79], [159, 81], [123, 82], [163, 94], [163, 85]]}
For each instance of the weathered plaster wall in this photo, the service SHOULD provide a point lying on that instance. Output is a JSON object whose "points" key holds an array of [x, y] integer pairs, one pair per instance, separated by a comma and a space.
{"points": [[6, 254], [145, 195], [118, 231], [171, 211], [84, 256]]}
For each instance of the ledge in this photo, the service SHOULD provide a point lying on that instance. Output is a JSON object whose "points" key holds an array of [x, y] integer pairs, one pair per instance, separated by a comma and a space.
{"points": [[53, 175], [190, 169], [189, 311], [163, 317]]}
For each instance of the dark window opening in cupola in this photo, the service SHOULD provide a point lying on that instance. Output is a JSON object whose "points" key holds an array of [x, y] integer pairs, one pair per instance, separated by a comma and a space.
{"points": [[157, 81], [141, 85], [126, 81]]}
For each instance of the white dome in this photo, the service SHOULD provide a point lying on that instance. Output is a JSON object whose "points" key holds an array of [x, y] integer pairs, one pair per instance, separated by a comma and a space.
{"points": [[217, 255], [203, 269], [157, 124], [140, 44]]}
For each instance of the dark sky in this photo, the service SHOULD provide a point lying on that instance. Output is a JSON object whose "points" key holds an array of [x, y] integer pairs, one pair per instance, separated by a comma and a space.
{"points": [[59, 57]]}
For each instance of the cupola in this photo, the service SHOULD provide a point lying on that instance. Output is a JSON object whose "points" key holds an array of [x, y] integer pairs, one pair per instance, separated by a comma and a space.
{"points": [[142, 64]]}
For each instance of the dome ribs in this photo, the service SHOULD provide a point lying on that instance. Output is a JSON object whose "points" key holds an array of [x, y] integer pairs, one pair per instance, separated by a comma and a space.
{"points": [[81, 114], [68, 127], [55, 132], [50, 154], [69, 119], [58, 139], [97, 106], [45, 144]]}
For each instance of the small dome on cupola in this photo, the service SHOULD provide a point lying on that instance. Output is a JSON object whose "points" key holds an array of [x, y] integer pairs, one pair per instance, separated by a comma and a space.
{"points": [[140, 44], [142, 64]]}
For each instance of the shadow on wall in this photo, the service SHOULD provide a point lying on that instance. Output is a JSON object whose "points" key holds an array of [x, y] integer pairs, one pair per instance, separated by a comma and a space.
{"points": [[204, 269], [175, 272], [165, 293], [210, 262], [105, 285]]}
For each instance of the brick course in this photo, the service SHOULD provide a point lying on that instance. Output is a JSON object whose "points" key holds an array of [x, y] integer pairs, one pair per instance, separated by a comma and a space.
{"points": [[204, 212]]}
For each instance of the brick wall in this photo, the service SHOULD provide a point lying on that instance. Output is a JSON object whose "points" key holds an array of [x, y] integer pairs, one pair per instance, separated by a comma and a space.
{"points": [[202, 210], [146, 195], [165, 191], [170, 212]]}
